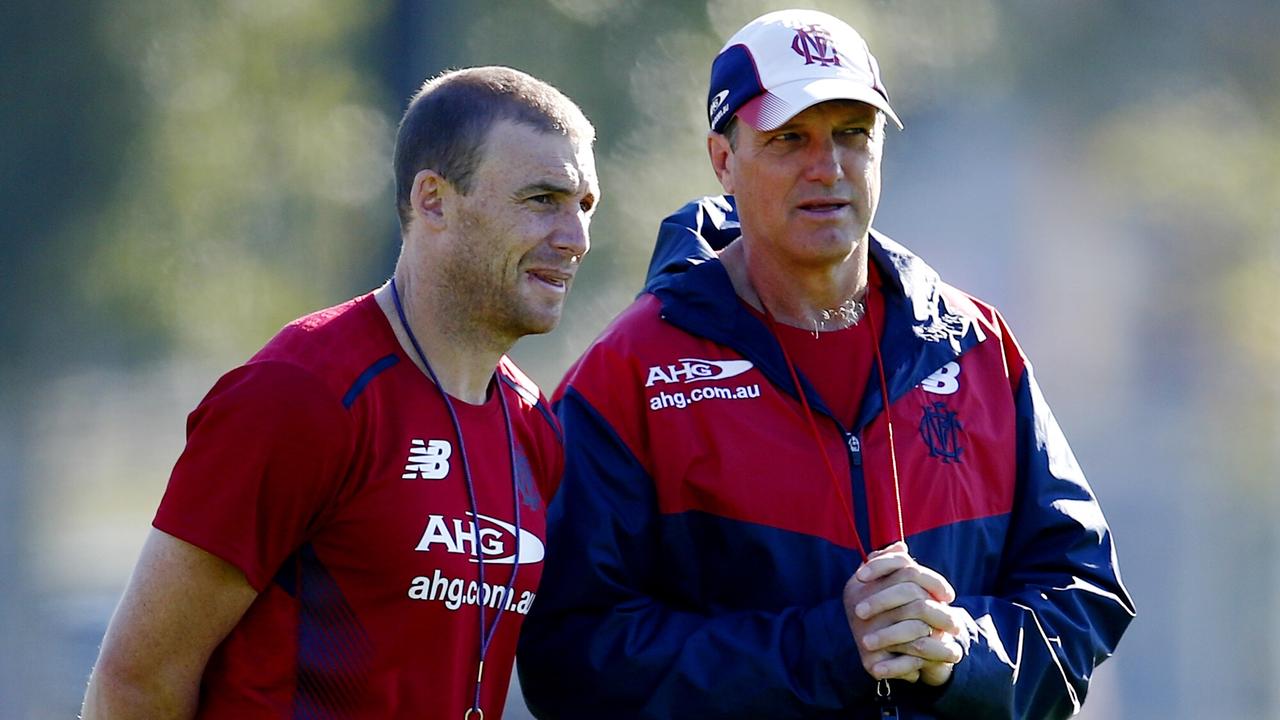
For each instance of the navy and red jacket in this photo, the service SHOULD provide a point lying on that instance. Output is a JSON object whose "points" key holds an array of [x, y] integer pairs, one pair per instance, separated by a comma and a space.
{"points": [[698, 549]]}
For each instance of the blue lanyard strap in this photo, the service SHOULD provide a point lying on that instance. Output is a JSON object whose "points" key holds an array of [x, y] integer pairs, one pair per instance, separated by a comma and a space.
{"points": [[486, 634]]}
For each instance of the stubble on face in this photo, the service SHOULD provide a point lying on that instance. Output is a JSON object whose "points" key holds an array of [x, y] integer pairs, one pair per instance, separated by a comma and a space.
{"points": [[479, 283], [468, 283], [506, 227]]}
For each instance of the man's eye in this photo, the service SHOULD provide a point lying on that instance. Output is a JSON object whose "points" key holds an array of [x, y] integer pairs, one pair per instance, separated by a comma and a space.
{"points": [[543, 199], [855, 131], [786, 137]]}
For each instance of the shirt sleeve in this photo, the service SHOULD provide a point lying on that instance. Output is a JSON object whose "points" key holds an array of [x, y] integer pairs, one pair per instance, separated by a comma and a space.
{"points": [[267, 450]]}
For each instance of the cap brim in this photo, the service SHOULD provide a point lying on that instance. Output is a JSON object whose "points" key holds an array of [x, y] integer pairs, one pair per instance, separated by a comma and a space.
{"points": [[772, 109]]}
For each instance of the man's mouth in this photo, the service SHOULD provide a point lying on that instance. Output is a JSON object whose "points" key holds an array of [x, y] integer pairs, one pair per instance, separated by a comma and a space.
{"points": [[823, 205], [557, 279]]}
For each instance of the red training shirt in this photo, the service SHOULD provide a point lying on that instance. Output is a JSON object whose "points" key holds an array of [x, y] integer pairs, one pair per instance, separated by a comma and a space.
{"points": [[327, 470], [838, 363]]}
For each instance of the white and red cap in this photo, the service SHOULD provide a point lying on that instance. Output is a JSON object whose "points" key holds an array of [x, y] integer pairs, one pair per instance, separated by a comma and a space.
{"points": [[786, 61]]}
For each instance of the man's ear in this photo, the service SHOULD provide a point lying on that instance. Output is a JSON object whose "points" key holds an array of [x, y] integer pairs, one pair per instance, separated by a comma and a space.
{"points": [[427, 197], [721, 159]]}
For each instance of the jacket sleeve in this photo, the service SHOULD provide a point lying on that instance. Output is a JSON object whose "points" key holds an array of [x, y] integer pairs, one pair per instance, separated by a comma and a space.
{"points": [[602, 642], [1059, 607]]}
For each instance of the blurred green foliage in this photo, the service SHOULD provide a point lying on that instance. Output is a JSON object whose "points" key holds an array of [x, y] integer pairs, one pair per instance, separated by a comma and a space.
{"points": [[190, 175], [255, 175], [231, 170]]}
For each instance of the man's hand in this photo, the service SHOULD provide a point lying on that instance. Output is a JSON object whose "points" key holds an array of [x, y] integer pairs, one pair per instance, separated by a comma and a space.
{"points": [[900, 618]]}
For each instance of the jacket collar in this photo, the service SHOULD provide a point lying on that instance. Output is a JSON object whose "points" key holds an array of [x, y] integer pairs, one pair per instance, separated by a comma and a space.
{"points": [[922, 330]]}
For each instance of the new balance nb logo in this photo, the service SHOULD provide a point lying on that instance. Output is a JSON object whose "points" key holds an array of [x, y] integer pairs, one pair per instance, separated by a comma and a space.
{"points": [[428, 460], [944, 381]]}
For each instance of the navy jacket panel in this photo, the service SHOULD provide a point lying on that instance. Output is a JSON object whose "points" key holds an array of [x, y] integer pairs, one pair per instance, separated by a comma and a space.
{"points": [[1058, 607]]}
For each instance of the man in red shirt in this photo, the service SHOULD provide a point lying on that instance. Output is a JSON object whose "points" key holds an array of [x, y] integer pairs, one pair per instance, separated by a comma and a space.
{"points": [[356, 526]]}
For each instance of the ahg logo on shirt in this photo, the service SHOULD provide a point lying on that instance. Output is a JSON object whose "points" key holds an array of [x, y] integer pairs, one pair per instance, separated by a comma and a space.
{"points": [[496, 539], [696, 370]]}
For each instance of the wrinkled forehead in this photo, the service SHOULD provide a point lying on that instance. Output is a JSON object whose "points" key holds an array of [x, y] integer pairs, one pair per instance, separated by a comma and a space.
{"points": [[572, 159]]}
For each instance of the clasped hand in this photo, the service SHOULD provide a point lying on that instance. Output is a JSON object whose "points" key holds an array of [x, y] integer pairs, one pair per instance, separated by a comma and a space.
{"points": [[901, 618]]}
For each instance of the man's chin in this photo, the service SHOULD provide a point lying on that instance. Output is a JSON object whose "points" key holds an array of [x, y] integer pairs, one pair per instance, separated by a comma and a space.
{"points": [[542, 329], [538, 322], [831, 246]]}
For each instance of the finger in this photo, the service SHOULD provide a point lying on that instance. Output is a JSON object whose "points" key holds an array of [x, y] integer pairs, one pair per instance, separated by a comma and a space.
{"points": [[882, 566], [941, 617], [932, 581], [929, 611], [896, 566], [896, 666], [954, 652], [871, 660], [899, 546], [935, 674], [931, 649], [936, 584], [889, 598], [898, 633]]}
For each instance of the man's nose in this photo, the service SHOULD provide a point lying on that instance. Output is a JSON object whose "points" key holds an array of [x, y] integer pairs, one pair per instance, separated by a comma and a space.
{"points": [[573, 236], [824, 162]]}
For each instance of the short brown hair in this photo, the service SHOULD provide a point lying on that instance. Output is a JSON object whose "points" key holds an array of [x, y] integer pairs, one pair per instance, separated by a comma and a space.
{"points": [[448, 121]]}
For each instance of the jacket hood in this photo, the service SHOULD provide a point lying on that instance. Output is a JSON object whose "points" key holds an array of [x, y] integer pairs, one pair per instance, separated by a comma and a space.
{"points": [[927, 323]]}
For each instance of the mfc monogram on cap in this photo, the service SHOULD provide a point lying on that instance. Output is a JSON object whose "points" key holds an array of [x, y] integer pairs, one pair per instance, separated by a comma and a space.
{"points": [[787, 61]]}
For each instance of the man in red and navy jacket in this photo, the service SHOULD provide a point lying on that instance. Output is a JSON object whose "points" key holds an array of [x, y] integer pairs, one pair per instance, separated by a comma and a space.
{"points": [[805, 478]]}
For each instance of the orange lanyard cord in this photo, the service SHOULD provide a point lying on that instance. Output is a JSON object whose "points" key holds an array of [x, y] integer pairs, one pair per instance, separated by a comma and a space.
{"points": [[888, 421], [817, 438]]}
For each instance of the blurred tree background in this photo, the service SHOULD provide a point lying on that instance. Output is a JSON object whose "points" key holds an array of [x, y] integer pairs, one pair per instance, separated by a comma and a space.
{"points": [[182, 178]]}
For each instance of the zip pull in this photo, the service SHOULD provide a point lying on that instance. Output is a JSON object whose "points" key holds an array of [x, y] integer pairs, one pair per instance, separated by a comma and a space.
{"points": [[884, 696], [855, 449]]}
